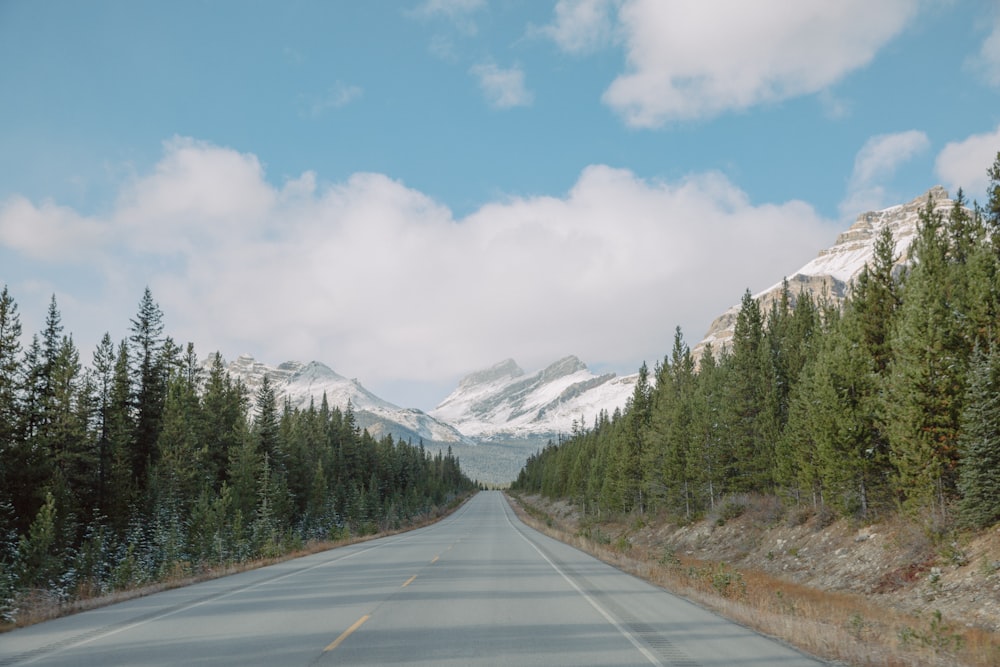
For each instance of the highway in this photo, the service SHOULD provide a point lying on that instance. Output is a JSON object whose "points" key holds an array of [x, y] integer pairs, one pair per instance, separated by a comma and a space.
{"points": [[478, 588]]}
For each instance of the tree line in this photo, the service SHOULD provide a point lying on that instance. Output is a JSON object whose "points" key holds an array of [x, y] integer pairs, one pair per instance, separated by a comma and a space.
{"points": [[887, 402], [147, 464]]}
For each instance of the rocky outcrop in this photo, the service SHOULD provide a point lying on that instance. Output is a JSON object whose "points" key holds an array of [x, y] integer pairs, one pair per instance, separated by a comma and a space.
{"points": [[831, 274]]}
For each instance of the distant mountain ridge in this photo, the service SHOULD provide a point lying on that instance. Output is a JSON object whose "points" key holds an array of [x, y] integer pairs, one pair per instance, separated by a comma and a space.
{"points": [[502, 402], [304, 383]]}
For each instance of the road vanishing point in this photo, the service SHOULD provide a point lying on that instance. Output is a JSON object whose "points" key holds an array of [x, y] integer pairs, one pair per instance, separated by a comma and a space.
{"points": [[477, 588]]}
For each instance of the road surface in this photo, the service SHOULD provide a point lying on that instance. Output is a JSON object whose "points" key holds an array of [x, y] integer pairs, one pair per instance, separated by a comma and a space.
{"points": [[478, 588]]}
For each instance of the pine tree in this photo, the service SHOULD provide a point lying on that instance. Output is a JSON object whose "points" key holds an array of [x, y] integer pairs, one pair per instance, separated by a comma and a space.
{"points": [[223, 418], [752, 418], [71, 450], [10, 372], [671, 429], [797, 468], [926, 385], [122, 486], [147, 347], [992, 211], [39, 550], [10, 365], [979, 472], [707, 462], [102, 378], [629, 454], [266, 425], [179, 471]]}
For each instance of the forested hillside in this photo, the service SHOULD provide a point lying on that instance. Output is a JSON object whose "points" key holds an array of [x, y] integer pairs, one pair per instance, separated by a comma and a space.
{"points": [[890, 402], [142, 466]]}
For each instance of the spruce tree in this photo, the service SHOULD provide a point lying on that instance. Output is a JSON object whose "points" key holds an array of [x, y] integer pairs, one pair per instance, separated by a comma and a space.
{"points": [[752, 409], [102, 379], [10, 371], [926, 384], [629, 453], [979, 472], [708, 456], [10, 365], [150, 384]]}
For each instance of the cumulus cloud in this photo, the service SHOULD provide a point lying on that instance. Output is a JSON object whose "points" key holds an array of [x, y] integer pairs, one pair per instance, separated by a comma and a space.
{"points": [[987, 61], [580, 26], [48, 231], [963, 164], [877, 160], [503, 88], [689, 59], [385, 284], [459, 12]]}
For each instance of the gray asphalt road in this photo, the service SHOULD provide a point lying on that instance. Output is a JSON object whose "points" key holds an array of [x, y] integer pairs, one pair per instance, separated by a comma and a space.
{"points": [[479, 588]]}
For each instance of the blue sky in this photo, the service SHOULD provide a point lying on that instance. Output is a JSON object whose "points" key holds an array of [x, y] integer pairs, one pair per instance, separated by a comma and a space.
{"points": [[409, 191]]}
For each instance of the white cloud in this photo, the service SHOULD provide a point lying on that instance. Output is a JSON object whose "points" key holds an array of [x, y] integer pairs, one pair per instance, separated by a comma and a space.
{"points": [[339, 95], [503, 88], [987, 61], [198, 194], [580, 26], [459, 12], [384, 284], [48, 232], [963, 164], [692, 59], [877, 160]]}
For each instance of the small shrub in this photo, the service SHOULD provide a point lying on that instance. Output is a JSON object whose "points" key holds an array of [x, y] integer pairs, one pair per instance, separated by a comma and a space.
{"points": [[988, 567], [669, 558], [799, 516], [727, 583], [824, 517], [939, 636], [733, 508], [856, 625], [953, 554]]}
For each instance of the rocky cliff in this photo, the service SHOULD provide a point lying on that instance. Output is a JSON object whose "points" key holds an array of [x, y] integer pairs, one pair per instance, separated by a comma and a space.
{"points": [[834, 270]]}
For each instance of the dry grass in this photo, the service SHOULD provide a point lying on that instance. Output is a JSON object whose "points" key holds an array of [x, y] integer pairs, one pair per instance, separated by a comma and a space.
{"points": [[832, 625]]}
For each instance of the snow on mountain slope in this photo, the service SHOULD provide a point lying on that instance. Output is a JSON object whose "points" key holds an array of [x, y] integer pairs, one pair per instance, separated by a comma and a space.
{"points": [[832, 272], [502, 402], [301, 384]]}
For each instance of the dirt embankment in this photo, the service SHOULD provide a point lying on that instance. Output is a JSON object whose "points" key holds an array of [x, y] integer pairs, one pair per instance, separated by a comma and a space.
{"points": [[942, 593]]}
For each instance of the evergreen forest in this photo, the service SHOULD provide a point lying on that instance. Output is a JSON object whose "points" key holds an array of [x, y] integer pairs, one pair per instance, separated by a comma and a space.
{"points": [[148, 465], [885, 403]]}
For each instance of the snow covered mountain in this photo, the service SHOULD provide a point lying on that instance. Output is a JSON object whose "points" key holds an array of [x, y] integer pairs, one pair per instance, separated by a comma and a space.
{"points": [[301, 383], [832, 272], [502, 403]]}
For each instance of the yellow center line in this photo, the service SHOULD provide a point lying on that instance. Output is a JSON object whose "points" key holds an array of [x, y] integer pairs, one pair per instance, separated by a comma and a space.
{"points": [[347, 633], [409, 581], [435, 559]]}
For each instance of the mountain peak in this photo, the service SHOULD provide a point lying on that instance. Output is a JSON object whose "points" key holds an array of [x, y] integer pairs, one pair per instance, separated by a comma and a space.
{"points": [[507, 403], [834, 269], [504, 370], [310, 372], [563, 367]]}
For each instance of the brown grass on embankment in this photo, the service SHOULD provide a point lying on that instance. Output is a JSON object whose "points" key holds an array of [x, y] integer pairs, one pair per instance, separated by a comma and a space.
{"points": [[840, 626]]}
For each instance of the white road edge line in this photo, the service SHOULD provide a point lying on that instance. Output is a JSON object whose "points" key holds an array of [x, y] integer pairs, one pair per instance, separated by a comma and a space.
{"points": [[653, 660]]}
